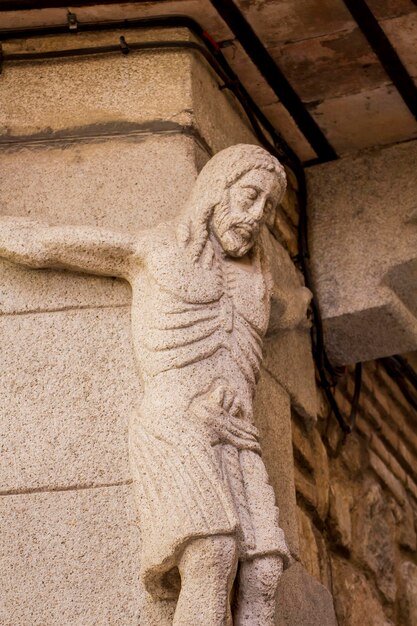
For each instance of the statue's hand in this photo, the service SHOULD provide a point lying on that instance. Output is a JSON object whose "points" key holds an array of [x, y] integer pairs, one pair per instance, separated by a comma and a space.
{"points": [[218, 411]]}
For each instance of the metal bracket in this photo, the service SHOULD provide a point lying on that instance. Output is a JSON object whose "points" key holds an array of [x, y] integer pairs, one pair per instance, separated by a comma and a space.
{"points": [[123, 45], [72, 21]]}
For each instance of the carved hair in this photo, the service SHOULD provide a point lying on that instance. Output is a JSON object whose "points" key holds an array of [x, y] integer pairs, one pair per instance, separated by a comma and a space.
{"points": [[219, 174]]}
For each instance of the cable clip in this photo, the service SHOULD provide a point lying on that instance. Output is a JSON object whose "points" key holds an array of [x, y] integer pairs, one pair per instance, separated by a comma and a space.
{"points": [[72, 21], [230, 84], [123, 45]]}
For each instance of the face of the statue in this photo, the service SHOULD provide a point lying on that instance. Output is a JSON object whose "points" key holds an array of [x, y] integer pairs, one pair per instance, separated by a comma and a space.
{"points": [[237, 219]]}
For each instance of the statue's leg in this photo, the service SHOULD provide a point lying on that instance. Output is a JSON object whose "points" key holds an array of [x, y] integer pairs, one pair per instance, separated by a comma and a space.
{"points": [[207, 568], [257, 585]]}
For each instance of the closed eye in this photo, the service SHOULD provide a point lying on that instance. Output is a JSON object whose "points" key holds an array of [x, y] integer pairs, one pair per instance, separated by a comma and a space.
{"points": [[251, 193]]}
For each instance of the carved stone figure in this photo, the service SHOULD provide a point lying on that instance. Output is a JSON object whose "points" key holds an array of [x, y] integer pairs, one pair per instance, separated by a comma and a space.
{"points": [[201, 305]]}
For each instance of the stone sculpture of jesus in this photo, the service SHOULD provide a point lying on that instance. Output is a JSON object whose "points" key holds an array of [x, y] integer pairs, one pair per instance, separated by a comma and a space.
{"points": [[201, 303]]}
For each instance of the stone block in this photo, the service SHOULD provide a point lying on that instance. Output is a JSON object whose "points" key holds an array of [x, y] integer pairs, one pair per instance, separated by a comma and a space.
{"points": [[287, 351], [217, 114], [70, 557], [387, 477], [282, 20], [303, 601], [341, 503], [356, 603], [330, 65], [402, 32], [309, 553], [363, 252], [25, 290], [408, 593], [151, 91], [273, 417], [125, 184], [73, 95], [373, 537], [68, 387]]}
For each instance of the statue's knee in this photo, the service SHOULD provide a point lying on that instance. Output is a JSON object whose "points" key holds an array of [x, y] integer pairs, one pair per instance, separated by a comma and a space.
{"points": [[210, 555]]}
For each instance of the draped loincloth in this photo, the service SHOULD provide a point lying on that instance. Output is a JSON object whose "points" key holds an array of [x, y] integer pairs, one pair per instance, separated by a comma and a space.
{"points": [[187, 488]]}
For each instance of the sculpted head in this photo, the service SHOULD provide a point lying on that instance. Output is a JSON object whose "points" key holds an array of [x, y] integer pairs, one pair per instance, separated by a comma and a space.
{"points": [[246, 204], [233, 196]]}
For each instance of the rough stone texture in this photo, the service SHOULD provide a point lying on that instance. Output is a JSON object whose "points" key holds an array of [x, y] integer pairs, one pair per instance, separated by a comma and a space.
{"points": [[68, 400], [70, 558], [25, 291], [161, 83], [370, 530], [151, 91], [341, 503], [273, 417], [319, 47], [373, 539], [303, 601], [355, 603], [288, 355], [126, 183], [308, 545], [365, 284], [408, 594]]}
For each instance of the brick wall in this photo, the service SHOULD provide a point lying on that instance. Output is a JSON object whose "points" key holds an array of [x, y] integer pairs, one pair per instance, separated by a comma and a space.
{"points": [[357, 503]]}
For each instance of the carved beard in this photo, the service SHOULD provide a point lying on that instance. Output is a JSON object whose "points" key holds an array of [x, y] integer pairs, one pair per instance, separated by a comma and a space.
{"points": [[236, 234]]}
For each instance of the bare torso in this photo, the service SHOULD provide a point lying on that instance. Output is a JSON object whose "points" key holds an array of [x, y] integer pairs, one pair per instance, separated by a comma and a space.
{"points": [[194, 327]]}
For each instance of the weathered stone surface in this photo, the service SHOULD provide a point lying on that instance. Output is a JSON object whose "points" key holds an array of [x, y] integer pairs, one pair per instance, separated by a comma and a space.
{"points": [[282, 120], [341, 503], [309, 554], [402, 32], [408, 594], [66, 405], [365, 284], [303, 601], [217, 115], [373, 536], [24, 291], [356, 603], [125, 183], [273, 417], [145, 86], [152, 91], [278, 21], [70, 558], [288, 355], [321, 473]]}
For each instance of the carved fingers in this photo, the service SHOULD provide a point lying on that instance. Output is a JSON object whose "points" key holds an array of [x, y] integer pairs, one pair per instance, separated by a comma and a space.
{"points": [[219, 411]]}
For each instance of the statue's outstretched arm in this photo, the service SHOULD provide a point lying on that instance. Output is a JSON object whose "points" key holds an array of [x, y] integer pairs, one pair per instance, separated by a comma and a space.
{"points": [[78, 248]]}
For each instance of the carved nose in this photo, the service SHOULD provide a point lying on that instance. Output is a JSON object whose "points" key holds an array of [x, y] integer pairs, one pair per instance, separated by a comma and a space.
{"points": [[257, 210]]}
